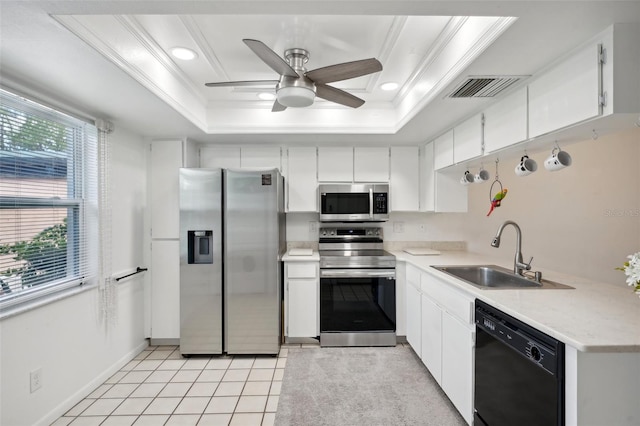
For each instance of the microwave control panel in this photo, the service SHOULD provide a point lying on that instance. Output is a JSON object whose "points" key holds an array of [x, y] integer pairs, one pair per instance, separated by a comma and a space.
{"points": [[380, 203]]}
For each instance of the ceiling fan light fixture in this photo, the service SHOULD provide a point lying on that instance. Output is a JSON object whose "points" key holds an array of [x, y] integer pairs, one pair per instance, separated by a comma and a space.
{"points": [[295, 96], [183, 53]]}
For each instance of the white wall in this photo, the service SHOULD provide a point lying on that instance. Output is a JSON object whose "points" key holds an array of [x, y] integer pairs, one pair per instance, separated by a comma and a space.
{"points": [[77, 350], [583, 220]]}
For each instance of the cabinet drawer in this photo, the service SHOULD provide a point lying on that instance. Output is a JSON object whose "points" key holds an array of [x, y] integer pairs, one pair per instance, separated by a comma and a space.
{"points": [[301, 270], [450, 299]]}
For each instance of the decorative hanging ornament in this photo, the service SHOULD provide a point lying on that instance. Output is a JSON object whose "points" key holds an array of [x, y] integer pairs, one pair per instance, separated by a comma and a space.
{"points": [[496, 200]]}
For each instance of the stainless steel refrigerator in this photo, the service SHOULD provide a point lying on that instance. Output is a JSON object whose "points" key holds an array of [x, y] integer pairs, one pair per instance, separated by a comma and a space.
{"points": [[232, 237]]}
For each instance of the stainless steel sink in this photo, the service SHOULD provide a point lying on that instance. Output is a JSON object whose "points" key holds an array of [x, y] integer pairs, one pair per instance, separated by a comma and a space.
{"points": [[496, 277]]}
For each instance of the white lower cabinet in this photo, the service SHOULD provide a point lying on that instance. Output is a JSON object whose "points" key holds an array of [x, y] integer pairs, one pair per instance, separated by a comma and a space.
{"points": [[414, 321], [441, 330], [302, 299], [457, 364], [432, 338]]}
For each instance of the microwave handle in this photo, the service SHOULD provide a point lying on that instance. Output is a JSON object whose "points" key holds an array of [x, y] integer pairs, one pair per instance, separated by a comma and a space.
{"points": [[370, 203]]}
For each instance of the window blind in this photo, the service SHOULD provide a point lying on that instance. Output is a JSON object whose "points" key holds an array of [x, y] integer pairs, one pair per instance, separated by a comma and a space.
{"points": [[48, 202]]}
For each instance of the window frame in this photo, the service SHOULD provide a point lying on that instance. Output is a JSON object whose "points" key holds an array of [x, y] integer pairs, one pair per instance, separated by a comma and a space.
{"points": [[81, 205]]}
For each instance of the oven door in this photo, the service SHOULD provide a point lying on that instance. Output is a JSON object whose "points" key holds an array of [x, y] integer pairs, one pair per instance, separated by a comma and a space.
{"points": [[357, 307]]}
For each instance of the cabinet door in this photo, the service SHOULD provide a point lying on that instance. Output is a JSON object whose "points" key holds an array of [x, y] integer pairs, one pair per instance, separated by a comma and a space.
{"points": [[467, 139], [371, 164], [505, 122], [220, 157], [443, 150], [261, 157], [427, 179], [432, 338], [404, 183], [414, 319], [457, 364], [165, 289], [166, 160], [335, 164], [302, 183], [566, 94], [302, 307]]}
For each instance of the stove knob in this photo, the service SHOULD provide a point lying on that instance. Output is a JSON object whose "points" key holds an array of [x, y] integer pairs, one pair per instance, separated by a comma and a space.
{"points": [[333, 232], [377, 232], [535, 353]]}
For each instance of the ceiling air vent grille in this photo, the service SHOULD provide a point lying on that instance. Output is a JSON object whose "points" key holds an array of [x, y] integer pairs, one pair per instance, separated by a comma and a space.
{"points": [[483, 87]]}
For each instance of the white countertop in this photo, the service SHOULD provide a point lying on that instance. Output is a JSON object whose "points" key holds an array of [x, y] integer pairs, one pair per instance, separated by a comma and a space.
{"points": [[594, 317]]}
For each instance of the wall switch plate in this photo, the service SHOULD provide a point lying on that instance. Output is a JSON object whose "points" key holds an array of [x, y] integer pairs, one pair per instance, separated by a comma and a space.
{"points": [[35, 379], [398, 227], [313, 226]]}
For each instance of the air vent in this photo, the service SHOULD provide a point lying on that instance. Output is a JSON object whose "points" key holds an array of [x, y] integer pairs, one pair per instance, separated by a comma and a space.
{"points": [[483, 87]]}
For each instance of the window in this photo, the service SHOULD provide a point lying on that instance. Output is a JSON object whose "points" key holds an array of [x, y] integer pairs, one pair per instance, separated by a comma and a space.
{"points": [[47, 200]]}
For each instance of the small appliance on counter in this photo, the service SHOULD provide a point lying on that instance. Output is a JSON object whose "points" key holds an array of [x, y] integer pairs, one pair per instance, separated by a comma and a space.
{"points": [[232, 236]]}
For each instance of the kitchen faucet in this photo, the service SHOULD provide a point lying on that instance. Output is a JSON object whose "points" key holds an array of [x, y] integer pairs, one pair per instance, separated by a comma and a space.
{"points": [[518, 265]]}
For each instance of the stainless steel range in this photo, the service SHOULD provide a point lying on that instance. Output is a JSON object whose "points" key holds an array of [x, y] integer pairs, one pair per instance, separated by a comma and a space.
{"points": [[357, 288]]}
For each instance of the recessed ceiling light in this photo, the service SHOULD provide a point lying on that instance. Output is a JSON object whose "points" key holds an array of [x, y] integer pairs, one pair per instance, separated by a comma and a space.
{"points": [[389, 86], [183, 53], [266, 96]]}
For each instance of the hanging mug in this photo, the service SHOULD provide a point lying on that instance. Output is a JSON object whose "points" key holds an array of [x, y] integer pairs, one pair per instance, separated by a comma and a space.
{"points": [[467, 178], [526, 166], [557, 160]]}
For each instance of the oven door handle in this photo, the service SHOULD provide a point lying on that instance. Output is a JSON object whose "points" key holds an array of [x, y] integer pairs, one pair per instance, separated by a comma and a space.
{"points": [[357, 273]]}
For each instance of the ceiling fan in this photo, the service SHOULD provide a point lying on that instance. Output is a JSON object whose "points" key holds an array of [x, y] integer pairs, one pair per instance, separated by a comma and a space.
{"points": [[298, 87]]}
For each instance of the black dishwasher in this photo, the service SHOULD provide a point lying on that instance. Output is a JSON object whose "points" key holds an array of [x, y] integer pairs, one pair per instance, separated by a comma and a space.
{"points": [[519, 372]]}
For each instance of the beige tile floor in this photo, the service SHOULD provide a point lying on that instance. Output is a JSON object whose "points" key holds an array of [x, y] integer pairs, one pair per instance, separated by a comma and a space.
{"points": [[160, 387]]}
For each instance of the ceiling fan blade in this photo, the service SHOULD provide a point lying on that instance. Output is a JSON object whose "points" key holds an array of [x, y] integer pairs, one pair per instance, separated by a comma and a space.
{"points": [[270, 58], [243, 83], [277, 106], [344, 71], [338, 96]]}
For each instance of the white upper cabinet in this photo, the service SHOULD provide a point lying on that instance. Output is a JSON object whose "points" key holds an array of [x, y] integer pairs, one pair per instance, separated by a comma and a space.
{"points": [[467, 139], [371, 164], [260, 157], [166, 160], [220, 157], [335, 164], [404, 184], [566, 94], [505, 122], [302, 183], [443, 150], [427, 179]]}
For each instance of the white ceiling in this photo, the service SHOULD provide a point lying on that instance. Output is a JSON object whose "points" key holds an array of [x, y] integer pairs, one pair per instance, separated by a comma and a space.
{"points": [[110, 60]]}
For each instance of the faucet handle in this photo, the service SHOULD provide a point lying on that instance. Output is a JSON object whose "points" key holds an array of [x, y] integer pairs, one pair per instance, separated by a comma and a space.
{"points": [[528, 265]]}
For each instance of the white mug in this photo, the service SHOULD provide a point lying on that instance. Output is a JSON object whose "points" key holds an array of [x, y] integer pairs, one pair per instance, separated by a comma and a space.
{"points": [[526, 166], [481, 176], [467, 178], [557, 160]]}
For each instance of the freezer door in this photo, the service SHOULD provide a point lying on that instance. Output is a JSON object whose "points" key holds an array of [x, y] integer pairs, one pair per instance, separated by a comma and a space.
{"points": [[200, 261], [253, 210]]}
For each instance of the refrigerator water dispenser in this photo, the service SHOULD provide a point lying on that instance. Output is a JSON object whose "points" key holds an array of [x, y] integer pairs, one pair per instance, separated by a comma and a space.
{"points": [[200, 247]]}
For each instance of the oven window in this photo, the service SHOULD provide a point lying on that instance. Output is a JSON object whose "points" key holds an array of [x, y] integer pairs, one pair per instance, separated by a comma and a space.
{"points": [[345, 203], [357, 304]]}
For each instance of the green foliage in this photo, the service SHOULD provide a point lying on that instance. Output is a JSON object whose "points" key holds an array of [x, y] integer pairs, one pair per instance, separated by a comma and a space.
{"points": [[21, 133], [45, 256]]}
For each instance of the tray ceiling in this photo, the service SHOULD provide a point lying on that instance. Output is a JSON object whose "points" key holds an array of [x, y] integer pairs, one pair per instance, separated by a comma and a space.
{"points": [[423, 54]]}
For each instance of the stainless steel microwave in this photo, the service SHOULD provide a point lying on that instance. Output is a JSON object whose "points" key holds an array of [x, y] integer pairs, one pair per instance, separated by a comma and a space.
{"points": [[354, 202]]}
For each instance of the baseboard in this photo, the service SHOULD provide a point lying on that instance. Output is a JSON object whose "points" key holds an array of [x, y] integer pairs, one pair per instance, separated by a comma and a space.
{"points": [[82, 393]]}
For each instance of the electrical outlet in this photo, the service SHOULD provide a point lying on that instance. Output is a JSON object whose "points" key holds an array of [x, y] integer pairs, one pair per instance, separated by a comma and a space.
{"points": [[313, 226], [423, 227], [36, 379]]}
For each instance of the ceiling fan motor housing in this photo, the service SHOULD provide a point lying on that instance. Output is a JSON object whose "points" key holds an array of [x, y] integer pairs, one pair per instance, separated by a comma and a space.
{"points": [[296, 92]]}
